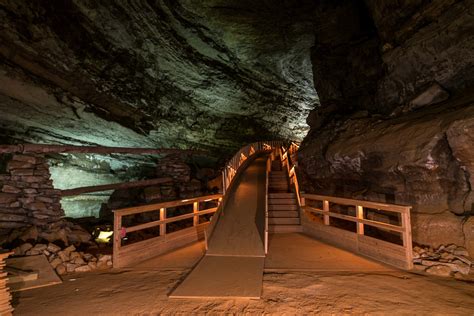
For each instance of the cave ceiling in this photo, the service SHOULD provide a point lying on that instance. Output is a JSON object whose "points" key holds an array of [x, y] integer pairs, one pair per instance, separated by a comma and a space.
{"points": [[210, 75]]}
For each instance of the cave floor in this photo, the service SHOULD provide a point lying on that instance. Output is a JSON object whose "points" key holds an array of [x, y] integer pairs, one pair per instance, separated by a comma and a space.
{"points": [[319, 281]]}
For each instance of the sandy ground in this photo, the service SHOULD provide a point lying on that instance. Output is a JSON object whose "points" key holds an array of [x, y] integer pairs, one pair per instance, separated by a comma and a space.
{"points": [[321, 280], [291, 293]]}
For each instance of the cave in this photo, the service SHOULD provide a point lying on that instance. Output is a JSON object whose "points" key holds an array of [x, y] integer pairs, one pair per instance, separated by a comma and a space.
{"points": [[238, 157]]}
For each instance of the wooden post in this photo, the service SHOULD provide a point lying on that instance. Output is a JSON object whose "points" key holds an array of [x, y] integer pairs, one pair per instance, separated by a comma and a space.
{"points": [[407, 238], [196, 215], [117, 239], [360, 215], [162, 218], [326, 209]]}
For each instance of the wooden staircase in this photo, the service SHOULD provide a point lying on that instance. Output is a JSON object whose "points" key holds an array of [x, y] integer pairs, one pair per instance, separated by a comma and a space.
{"points": [[283, 212]]}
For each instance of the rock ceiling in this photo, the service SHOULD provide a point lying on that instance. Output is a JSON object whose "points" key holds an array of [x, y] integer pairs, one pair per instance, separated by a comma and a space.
{"points": [[191, 74]]}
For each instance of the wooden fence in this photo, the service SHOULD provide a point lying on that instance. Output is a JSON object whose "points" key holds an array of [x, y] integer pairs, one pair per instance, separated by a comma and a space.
{"points": [[231, 170], [399, 255], [133, 253], [241, 156]]}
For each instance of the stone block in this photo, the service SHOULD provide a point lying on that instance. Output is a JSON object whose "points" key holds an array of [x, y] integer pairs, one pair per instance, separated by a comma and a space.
{"points": [[25, 158], [15, 164], [7, 198], [10, 189]]}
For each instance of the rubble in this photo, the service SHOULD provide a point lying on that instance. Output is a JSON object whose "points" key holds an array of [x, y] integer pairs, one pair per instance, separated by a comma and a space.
{"points": [[449, 260]]}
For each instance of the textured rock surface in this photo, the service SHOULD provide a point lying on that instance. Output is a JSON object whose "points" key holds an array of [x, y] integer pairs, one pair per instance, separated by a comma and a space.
{"points": [[201, 74], [396, 124]]}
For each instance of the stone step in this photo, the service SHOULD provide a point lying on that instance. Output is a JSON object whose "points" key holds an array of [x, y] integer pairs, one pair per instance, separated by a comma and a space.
{"points": [[283, 221], [285, 229], [283, 214], [273, 207]]}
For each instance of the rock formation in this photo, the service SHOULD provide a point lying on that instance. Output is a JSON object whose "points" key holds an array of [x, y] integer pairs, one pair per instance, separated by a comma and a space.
{"points": [[396, 125], [393, 78]]}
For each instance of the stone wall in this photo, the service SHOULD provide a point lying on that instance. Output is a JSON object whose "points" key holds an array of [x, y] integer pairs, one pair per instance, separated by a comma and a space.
{"points": [[27, 194]]}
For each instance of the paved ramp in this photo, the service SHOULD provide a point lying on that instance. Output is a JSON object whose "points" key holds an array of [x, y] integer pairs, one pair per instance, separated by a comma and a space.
{"points": [[233, 265]]}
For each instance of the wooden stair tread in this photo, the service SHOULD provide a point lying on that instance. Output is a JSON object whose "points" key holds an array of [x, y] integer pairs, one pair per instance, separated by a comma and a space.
{"points": [[283, 214]]}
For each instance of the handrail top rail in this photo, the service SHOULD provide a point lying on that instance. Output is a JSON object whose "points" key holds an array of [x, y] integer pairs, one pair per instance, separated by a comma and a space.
{"points": [[363, 203], [156, 206]]}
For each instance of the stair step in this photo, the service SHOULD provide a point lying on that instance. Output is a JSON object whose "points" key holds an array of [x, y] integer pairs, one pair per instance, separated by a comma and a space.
{"points": [[282, 201], [282, 207], [283, 214], [273, 183], [282, 195], [283, 221], [285, 229]]}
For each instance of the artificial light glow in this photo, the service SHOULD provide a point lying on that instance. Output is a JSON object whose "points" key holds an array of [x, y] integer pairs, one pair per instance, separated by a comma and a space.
{"points": [[104, 237]]}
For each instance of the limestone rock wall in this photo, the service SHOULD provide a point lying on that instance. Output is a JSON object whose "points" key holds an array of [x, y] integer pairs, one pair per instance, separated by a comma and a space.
{"points": [[27, 194], [396, 121]]}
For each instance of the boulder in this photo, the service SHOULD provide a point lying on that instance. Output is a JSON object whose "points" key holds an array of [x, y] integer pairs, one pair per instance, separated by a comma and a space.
{"points": [[79, 236], [83, 268], [64, 256], [53, 248], [55, 263], [71, 267], [61, 269], [25, 247], [439, 270], [437, 229]]}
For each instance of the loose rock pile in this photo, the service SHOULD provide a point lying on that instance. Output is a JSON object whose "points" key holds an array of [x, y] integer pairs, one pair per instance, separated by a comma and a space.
{"points": [[66, 260], [450, 260]]}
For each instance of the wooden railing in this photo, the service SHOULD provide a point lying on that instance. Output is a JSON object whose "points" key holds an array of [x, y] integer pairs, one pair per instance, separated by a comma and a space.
{"points": [[142, 250], [268, 168], [388, 252], [129, 254], [288, 160], [231, 169], [241, 156]]}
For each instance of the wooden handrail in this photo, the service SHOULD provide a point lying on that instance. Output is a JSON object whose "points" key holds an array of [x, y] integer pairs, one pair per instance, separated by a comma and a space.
{"points": [[169, 220], [363, 203], [121, 231], [403, 210], [268, 168], [157, 206]]}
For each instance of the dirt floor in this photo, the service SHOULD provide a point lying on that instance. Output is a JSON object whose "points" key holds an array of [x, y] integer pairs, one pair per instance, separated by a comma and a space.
{"points": [[301, 293], [321, 279]]}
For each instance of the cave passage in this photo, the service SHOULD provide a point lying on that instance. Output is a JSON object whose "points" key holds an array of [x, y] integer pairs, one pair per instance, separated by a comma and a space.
{"points": [[131, 134]]}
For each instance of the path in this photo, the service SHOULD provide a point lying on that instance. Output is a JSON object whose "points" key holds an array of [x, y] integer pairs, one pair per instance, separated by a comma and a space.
{"points": [[233, 264]]}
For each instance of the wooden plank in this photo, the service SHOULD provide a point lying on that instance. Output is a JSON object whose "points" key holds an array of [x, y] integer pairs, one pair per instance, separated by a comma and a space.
{"points": [[382, 251], [360, 216], [196, 215], [170, 220], [46, 275], [162, 218], [143, 250], [355, 219], [114, 186], [117, 238], [157, 206], [331, 235], [223, 277], [368, 204]]}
